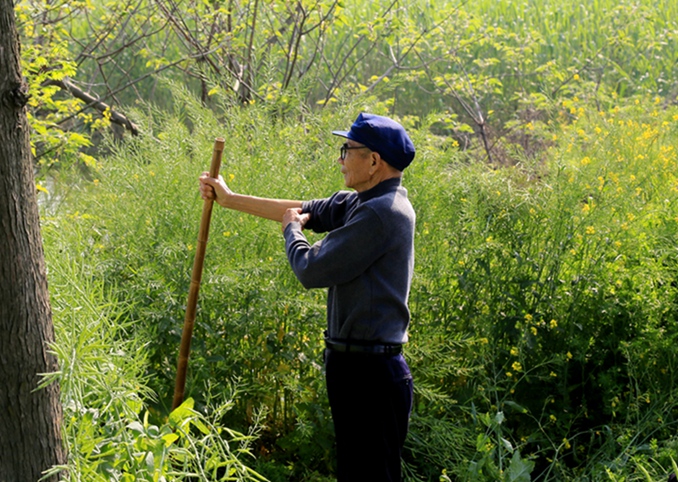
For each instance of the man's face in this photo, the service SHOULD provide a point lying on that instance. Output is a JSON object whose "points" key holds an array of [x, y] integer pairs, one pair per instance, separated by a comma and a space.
{"points": [[356, 166]]}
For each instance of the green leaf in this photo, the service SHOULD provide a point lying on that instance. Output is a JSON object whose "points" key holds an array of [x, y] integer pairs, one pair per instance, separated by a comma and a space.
{"points": [[170, 438], [465, 128], [481, 440], [516, 407], [182, 413], [150, 462], [136, 427], [197, 423], [507, 444], [519, 470]]}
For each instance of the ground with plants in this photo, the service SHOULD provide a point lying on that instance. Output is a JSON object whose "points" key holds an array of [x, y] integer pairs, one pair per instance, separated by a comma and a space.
{"points": [[544, 303], [543, 334]]}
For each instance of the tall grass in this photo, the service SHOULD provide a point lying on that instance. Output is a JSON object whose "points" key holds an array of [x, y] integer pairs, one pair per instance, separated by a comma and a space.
{"points": [[544, 299], [509, 53], [104, 350]]}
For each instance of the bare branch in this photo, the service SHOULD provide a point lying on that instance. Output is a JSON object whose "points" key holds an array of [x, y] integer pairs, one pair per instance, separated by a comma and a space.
{"points": [[336, 80], [92, 101], [397, 62]]}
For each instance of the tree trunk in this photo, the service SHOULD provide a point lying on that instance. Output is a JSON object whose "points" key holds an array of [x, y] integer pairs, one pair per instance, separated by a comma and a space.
{"points": [[30, 419]]}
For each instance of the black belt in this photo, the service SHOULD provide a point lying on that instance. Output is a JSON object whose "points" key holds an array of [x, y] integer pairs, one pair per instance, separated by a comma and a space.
{"points": [[356, 347]]}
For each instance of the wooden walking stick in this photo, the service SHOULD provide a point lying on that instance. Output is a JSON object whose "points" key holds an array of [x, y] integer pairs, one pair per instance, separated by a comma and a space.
{"points": [[192, 304]]}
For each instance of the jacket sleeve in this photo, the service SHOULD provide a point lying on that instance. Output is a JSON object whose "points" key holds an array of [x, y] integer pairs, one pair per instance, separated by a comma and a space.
{"points": [[341, 256], [328, 214]]}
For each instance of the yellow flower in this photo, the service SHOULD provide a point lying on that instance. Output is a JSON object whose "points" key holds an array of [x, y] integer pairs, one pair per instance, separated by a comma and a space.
{"points": [[517, 366], [553, 324], [566, 443], [552, 418], [553, 374], [514, 351], [509, 374], [569, 355], [585, 161], [575, 77], [231, 177], [590, 230], [528, 317]]}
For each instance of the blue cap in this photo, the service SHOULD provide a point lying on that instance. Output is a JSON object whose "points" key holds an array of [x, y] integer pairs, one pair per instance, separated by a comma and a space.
{"points": [[382, 135]]}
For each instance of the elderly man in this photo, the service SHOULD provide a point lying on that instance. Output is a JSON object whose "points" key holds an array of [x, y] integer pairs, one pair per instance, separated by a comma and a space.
{"points": [[366, 262]]}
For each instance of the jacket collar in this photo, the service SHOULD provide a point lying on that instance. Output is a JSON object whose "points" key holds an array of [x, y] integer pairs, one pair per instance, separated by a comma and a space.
{"points": [[380, 189]]}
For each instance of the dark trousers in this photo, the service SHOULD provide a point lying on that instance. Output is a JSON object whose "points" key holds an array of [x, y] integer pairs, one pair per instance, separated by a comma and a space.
{"points": [[371, 399]]}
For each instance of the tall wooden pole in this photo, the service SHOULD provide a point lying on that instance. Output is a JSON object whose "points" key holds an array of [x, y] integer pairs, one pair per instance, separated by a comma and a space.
{"points": [[192, 304]]}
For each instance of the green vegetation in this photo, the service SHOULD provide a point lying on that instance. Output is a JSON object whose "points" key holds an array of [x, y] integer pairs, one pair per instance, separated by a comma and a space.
{"points": [[543, 340], [544, 302]]}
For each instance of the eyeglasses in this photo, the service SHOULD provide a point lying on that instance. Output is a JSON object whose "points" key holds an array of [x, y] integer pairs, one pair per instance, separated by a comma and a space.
{"points": [[345, 147]]}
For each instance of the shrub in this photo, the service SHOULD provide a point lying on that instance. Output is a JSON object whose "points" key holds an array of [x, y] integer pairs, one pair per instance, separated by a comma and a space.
{"points": [[543, 334]]}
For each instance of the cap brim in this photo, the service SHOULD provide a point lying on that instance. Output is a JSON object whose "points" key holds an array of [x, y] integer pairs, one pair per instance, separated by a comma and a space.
{"points": [[341, 134]]}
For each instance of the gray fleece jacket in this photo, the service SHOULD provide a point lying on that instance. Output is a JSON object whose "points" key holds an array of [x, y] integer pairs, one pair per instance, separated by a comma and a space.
{"points": [[366, 260]]}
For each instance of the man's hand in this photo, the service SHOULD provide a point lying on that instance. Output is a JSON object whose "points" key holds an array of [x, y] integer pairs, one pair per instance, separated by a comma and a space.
{"points": [[295, 215], [214, 189]]}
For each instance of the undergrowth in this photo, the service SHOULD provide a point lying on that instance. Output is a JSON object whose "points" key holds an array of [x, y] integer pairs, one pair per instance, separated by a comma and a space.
{"points": [[543, 306]]}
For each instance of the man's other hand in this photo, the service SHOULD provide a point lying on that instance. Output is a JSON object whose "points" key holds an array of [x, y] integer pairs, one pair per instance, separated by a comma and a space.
{"points": [[295, 215]]}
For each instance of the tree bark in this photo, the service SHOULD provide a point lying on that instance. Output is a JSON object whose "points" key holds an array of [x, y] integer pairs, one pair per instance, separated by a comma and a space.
{"points": [[30, 419]]}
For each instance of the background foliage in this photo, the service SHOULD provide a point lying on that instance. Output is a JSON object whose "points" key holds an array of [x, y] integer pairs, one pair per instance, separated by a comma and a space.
{"points": [[497, 70], [544, 301], [543, 306]]}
